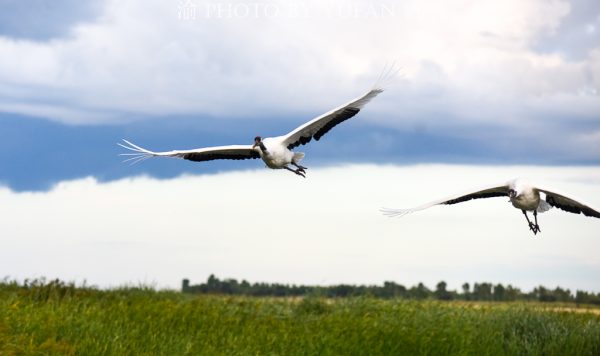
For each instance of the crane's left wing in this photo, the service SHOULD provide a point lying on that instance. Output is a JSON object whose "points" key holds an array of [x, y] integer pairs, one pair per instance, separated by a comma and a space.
{"points": [[235, 152], [319, 126], [568, 204]]}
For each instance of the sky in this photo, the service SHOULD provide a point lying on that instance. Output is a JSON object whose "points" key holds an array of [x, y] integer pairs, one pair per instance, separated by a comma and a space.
{"points": [[506, 88]]}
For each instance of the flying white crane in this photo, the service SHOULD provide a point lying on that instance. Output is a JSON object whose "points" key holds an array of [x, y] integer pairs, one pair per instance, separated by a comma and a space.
{"points": [[276, 152], [522, 196]]}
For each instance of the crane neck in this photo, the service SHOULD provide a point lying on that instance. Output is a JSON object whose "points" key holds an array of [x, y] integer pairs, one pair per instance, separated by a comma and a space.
{"points": [[262, 147]]}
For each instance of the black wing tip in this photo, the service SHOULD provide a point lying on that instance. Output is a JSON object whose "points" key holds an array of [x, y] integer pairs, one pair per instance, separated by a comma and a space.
{"points": [[587, 211], [591, 213]]}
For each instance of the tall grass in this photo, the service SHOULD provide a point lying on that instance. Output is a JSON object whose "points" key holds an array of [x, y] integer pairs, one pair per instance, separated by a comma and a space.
{"points": [[57, 318]]}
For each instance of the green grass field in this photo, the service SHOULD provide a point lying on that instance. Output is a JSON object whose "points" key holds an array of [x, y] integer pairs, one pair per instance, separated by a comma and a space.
{"points": [[58, 319]]}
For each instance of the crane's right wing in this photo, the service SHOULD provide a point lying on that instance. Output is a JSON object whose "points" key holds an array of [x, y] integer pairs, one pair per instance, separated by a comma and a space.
{"points": [[490, 192]]}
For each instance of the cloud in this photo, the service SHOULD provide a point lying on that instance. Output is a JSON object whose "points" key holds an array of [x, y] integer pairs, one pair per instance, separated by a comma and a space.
{"points": [[41, 20], [145, 57], [469, 69], [272, 226], [577, 33]]}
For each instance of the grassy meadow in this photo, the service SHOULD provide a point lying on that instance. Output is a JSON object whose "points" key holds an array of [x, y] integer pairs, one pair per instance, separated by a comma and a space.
{"points": [[54, 318]]}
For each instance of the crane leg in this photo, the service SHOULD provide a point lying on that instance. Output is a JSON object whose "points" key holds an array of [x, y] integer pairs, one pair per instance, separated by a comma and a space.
{"points": [[297, 171], [536, 223], [532, 227], [300, 168]]}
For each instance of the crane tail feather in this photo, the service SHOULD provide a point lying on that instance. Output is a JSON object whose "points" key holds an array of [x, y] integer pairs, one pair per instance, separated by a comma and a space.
{"points": [[392, 213], [138, 153]]}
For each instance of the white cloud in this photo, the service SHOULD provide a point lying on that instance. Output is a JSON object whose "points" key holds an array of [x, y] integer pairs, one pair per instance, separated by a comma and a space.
{"points": [[273, 226], [143, 57]]}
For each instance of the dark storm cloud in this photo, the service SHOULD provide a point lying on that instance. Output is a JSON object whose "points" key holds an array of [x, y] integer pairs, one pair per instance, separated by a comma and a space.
{"points": [[35, 154]]}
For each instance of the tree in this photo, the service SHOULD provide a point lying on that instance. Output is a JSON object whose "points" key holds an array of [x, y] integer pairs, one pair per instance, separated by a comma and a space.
{"points": [[482, 291], [562, 295], [212, 281], [391, 290], [466, 291], [185, 285], [441, 293], [511, 293], [419, 292], [499, 292], [544, 295]]}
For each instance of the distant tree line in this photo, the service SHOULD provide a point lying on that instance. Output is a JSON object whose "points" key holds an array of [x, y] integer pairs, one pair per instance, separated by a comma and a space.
{"points": [[476, 292]]}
